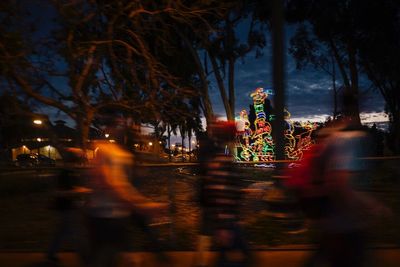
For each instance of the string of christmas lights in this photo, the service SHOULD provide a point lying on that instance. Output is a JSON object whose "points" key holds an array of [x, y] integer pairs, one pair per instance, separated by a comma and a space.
{"points": [[255, 142]]}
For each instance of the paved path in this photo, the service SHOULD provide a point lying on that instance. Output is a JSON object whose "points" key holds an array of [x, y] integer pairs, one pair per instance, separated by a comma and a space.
{"points": [[389, 257]]}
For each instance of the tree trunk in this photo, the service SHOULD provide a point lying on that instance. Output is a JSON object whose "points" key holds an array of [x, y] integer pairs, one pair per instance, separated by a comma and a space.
{"points": [[395, 132], [190, 145], [350, 102], [231, 85], [340, 63], [335, 108], [207, 106], [208, 109], [221, 85], [169, 141], [354, 109], [278, 61], [183, 140], [84, 123]]}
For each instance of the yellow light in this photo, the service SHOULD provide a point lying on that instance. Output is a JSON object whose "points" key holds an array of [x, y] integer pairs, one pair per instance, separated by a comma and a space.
{"points": [[150, 143], [39, 139], [107, 135], [159, 142], [38, 122]]}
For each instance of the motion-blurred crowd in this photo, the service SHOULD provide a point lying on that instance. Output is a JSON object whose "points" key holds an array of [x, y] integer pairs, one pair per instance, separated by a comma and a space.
{"points": [[322, 186]]}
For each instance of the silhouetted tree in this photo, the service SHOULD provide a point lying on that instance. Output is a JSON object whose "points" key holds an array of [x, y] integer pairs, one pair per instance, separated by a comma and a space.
{"points": [[380, 57], [306, 49], [330, 29], [106, 54], [224, 48]]}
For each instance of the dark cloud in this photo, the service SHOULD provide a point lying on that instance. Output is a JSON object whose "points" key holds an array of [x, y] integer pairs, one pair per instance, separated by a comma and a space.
{"points": [[308, 92]]}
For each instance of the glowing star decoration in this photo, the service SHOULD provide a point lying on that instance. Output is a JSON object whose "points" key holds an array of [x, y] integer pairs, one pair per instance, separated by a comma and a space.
{"points": [[254, 141]]}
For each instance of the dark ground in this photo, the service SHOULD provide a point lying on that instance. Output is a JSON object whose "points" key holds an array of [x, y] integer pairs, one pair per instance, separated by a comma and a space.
{"points": [[27, 222]]}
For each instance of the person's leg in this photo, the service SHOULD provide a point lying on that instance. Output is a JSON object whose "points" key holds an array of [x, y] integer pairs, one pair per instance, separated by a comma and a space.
{"points": [[63, 230], [204, 239], [202, 256], [144, 224], [349, 250], [106, 236], [153, 237], [320, 256]]}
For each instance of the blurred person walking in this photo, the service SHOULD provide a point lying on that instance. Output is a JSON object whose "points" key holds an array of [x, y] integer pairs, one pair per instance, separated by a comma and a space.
{"points": [[67, 203], [111, 204], [220, 197], [324, 187]]}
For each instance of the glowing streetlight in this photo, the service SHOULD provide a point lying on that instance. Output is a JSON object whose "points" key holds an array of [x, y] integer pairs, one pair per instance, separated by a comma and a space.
{"points": [[39, 139], [37, 122], [150, 143], [107, 135]]}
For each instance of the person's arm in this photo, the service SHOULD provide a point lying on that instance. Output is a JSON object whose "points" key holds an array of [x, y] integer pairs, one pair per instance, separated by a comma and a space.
{"points": [[119, 184]]}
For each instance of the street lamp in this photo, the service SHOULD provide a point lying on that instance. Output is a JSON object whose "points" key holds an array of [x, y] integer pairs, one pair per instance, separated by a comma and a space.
{"points": [[107, 135], [38, 122]]}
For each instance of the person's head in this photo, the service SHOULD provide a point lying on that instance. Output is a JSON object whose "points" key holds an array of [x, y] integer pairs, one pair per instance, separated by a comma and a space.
{"points": [[333, 126], [221, 134], [222, 131]]}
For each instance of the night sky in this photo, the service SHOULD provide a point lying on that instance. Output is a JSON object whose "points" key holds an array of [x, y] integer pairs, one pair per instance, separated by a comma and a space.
{"points": [[308, 91]]}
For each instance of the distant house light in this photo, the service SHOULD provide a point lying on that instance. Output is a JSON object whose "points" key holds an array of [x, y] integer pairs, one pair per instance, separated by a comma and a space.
{"points": [[107, 135], [39, 139], [37, 122], [150, 143]]}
